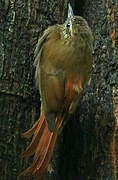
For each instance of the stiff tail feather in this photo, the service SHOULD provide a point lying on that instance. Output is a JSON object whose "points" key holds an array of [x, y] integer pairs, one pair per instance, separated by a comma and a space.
{"points": [[41, 146]]}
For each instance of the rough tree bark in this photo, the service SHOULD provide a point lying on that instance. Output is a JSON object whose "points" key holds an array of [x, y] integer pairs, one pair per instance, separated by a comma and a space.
{"points": [[87, 148]]}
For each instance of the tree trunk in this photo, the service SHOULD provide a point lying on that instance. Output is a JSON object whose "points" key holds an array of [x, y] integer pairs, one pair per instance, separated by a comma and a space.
{"points": [[87, 147]]}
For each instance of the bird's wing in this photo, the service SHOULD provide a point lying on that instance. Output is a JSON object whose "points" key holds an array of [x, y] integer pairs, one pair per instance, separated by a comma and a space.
{"points": [[38, 52], [40, 44]]}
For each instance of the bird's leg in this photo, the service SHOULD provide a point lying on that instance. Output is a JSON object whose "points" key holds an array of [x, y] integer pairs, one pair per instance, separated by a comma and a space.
{"points": [[50, 169]]}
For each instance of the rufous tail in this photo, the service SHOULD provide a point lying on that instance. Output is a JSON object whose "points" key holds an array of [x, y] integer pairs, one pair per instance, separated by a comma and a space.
{"points": [[41, 146]]}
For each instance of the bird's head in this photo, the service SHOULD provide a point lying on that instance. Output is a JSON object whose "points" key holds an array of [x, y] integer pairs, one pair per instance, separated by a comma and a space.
{"points": [[74, 24]]}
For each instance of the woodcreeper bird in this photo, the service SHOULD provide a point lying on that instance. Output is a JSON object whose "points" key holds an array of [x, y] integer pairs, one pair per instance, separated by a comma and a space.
{"points": [[63, 60]]}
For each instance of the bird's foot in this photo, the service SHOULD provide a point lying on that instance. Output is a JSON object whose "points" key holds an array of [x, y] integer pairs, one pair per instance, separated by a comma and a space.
{"points": [[50, 169]]}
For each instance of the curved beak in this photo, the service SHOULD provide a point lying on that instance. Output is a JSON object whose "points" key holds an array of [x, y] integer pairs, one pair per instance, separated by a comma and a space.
{"points": [[68, 23], [70, 11]]}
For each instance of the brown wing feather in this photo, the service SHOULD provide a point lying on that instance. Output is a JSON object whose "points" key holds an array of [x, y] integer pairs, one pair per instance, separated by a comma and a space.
{"points": [[49, 79]]}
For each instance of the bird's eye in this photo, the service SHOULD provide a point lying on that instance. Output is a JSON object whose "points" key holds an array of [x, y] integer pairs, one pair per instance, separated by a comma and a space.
{"points": [[68, 25]]}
